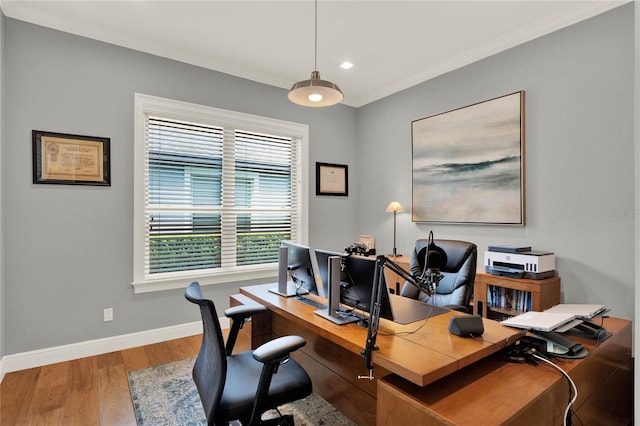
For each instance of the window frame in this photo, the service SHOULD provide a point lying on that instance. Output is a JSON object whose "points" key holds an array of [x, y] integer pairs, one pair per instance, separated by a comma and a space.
{"points": [[145, 105]]}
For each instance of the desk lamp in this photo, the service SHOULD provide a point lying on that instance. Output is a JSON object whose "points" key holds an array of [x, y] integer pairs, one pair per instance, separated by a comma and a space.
{"points": [[394, 207]]}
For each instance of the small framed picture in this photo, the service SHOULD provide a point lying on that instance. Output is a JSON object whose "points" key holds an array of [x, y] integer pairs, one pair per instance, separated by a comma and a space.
{"points": [[332, 179], [60, 158]]}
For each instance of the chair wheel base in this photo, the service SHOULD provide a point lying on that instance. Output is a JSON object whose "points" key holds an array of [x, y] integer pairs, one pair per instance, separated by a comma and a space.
{"points": [[284, 420]]}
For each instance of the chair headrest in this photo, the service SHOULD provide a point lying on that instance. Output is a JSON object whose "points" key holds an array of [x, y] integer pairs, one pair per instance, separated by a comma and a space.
{"points": [[455, 253], [193, 293]]}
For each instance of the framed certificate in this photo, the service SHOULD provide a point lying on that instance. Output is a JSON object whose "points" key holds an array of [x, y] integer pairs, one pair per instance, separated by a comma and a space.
{"points": [[60, 158], [332, 179]]}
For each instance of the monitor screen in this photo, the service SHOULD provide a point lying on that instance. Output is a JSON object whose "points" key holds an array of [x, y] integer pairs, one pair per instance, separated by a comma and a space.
{"points": [[357, 289], [300, 267]]}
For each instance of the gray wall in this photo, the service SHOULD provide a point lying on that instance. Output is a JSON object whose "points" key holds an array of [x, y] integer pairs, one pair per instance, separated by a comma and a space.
{"points": [[579, 154], [637, 205], [69, 250], [2, 310]]}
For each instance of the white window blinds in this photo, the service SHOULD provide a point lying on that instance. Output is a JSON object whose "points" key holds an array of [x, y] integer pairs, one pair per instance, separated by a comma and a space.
{"points": [[218, 198]]}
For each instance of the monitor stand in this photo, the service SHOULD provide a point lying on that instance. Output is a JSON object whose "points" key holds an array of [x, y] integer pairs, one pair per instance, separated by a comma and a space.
{"points": [[288, 290], [285, 287], [337, 317], [332, 313]]}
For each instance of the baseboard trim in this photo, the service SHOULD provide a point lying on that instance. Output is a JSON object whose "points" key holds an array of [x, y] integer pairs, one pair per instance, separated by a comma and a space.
{"points": [[40, 357]]}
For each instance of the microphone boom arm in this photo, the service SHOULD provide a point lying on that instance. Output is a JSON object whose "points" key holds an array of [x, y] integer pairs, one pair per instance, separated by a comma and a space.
{"points": [[428, 285], [421, 283]]}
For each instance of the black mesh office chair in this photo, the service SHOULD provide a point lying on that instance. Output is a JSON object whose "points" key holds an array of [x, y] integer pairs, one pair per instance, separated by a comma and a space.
{"points": [[243, 386], [455, 290]]}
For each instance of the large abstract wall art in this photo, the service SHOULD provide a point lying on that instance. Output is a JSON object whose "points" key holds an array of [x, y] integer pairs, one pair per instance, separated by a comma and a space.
{"points": [[468, 164]]}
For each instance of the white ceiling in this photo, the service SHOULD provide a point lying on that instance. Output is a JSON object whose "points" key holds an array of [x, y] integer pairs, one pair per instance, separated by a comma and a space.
{"points": [[394, 44]]}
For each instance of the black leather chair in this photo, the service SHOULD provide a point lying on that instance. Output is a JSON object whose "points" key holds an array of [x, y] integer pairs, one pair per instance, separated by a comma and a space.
{"points": [[455, 290], [243, 386]]}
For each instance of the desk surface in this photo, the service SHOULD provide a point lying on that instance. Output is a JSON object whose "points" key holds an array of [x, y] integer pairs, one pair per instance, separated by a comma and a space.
{"points": [[513, 393], [419, 355]]}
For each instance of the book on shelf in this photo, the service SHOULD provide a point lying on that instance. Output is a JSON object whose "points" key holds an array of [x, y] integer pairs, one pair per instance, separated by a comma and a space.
{"points": [[508, 299]]}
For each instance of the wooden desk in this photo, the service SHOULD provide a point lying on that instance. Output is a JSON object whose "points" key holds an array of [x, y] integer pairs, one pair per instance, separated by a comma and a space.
{"points": [[494, 391], [332, 354], [434, 378]]}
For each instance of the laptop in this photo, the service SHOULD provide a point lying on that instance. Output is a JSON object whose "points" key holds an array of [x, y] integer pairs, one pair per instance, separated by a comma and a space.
{"points": [[541, 321], [579, 310]]}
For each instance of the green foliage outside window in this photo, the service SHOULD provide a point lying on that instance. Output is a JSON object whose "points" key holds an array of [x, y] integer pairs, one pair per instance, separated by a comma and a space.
{"points": [[169, 253]]}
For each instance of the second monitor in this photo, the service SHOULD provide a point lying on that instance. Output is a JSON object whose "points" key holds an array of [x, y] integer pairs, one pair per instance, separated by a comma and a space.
{"points": [[356, 278]]}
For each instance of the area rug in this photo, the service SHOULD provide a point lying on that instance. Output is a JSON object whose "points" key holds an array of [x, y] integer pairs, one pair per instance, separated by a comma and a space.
{"points": [[166, 395]]}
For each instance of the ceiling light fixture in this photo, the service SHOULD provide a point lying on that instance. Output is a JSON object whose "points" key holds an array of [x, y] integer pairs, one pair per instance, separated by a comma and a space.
{"points": [[346, 65], [315, 92]]}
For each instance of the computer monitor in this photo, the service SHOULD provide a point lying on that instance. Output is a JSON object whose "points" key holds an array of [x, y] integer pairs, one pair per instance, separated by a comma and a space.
{"points": [[300, 267], [355, 291], [357, 288], [322, 258]]}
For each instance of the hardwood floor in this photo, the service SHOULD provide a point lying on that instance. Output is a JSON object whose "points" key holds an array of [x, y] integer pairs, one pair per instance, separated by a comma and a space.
{"points": [[86, 391]]}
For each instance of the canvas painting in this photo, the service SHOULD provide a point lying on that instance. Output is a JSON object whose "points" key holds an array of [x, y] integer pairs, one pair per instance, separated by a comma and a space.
{"points": [[468, 164]]}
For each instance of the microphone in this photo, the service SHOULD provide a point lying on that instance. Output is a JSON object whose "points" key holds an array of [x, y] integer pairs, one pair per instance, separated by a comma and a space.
{"points": [[430, 279], [434, 259]]}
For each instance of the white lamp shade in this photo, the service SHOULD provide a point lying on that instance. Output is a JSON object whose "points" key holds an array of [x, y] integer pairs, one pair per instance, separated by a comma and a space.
{"points": [[395, 206]]}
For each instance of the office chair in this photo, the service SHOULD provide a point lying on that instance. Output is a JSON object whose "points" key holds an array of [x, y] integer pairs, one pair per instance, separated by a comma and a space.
{"points": [[244, 385], [459, 272]]}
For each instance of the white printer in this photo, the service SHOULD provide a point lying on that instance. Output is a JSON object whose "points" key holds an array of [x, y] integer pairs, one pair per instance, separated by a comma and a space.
{"points": [[519, 262]]}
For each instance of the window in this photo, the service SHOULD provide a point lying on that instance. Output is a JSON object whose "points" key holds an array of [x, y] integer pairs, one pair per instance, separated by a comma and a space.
{"points": [[215, 192]]}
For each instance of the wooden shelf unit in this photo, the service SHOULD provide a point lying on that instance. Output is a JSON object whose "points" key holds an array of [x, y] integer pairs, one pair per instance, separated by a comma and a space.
{"points": [[543, 294]]}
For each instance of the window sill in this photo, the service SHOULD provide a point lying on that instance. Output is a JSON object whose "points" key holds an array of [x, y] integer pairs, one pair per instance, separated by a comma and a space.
{"points": [[183, 280]]}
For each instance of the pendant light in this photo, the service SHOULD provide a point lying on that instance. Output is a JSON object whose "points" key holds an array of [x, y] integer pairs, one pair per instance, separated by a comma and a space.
{"points": [[315, 92]]}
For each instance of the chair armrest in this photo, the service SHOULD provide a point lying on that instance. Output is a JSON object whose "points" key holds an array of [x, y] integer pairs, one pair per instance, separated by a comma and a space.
{"points": [[271, 354], [278, 349], [238, 315], [244, 311]]}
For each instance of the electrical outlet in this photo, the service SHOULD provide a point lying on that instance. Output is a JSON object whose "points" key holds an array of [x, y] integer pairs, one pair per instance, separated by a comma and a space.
{"points": [[108, 314]]}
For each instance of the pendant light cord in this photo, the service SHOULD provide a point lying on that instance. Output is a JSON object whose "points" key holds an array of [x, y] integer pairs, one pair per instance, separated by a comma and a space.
{"points": [[315, 92], [315, 59]]}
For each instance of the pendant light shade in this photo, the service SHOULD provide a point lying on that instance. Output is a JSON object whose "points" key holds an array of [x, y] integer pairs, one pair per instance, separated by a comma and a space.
{"points": [[315, 92]]}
